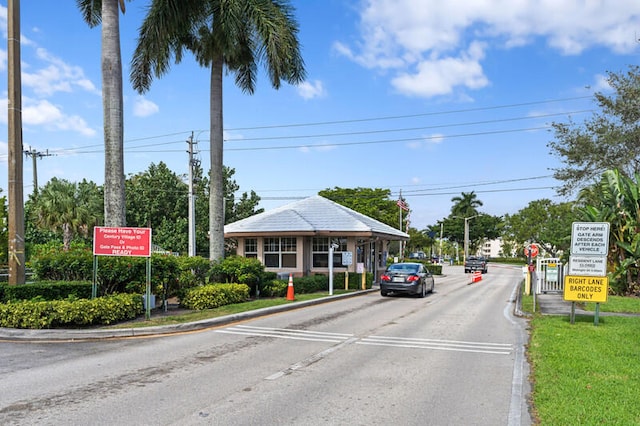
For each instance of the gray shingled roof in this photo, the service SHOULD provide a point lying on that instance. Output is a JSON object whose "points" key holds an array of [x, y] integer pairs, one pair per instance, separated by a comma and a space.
{"points": [[312, 215]]}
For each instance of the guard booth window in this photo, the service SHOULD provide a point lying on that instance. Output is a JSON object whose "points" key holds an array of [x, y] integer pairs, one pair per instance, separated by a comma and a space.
{"points": [[320, 251], [280, 252]]}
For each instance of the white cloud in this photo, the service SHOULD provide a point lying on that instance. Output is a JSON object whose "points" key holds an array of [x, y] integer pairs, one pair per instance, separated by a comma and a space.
{"points": [[429, 140], [601, 83], [317, 148], [440, 76], [424, 41], [57, 76], [43, 113], [143, 107], [311, 89]]}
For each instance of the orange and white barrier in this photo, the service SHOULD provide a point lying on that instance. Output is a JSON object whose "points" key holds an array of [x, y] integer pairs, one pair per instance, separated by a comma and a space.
{"points": [[476, 276]]}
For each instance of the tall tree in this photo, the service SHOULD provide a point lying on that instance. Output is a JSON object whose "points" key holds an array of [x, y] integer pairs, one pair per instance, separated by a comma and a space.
{"points": [[106, 11], [543, 222], [465, 204], [68, 207], [372, 202], [610, 139], [232, 34], [241, 208]]}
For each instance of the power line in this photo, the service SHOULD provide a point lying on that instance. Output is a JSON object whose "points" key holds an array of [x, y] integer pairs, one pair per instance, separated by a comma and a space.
{"points": [[408, 129], [395, 117], [84, 150]]}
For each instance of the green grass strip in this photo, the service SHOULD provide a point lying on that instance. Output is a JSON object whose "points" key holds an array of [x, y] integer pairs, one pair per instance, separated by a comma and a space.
{"points": [[583, 374]]}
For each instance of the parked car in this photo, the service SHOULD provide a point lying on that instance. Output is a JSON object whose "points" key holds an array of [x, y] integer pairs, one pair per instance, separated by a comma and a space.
{"points": [[407, 277], [418, 255]]}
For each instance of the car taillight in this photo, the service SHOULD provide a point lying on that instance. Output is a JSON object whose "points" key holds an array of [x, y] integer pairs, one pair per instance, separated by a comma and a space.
{"points": [[385, 278], [412, 278]]}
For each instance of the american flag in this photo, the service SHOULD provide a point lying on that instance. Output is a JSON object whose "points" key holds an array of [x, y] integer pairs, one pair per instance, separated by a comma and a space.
{"points": [[402, 204]]}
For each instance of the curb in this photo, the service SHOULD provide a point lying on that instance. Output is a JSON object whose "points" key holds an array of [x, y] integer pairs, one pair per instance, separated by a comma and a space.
{"points": [[74, 335]]}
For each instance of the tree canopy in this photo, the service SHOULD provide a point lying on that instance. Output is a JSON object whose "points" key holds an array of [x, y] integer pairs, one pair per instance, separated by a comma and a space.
{"points": [[543, 222], [231, 35], [372, 202], [609, 140]]}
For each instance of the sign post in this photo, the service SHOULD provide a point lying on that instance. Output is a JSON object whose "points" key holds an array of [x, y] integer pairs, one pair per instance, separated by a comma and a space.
{"points": [[587, 280], [114, 241]]}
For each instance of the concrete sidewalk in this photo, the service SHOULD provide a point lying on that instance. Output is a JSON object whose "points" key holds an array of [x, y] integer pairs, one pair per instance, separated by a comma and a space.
{"points": [[554, 304]]}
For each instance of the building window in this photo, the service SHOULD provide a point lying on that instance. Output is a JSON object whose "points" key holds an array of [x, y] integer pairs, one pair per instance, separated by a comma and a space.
{"points": [[251, 248], [280, 252], [320, 251]]}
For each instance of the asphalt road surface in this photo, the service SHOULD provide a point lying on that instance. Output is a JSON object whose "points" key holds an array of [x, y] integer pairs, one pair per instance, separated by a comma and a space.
{"points": [[455, 357]]}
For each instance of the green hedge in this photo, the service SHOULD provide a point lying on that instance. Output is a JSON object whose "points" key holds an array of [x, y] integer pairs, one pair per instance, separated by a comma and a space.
{"points": [[215, 295], [169, 274], [45, 291], [70, 313]]}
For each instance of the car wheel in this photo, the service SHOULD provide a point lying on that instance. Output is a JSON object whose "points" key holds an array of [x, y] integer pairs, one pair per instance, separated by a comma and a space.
{"points": [[384, 293], [423, 293]]}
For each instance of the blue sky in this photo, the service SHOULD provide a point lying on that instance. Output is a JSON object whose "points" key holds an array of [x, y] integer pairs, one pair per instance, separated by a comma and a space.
{"points": [[426, 97]]}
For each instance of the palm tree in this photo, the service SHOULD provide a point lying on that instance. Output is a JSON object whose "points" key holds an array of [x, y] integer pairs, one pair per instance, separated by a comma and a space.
{"points": [[466, 204], [67, 207], [106, 11], [235, 35]]}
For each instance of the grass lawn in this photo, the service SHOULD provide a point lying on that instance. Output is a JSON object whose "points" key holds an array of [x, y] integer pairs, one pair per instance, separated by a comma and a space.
{"points": [[584, 374]]}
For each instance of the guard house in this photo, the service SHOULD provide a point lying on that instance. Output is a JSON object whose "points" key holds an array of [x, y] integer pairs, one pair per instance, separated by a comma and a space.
{"points": [[296, 238]]}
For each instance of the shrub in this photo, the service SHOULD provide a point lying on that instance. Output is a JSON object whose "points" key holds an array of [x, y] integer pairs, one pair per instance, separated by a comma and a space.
{"points": [[355, 281], [57, 265], [46, 291], [214, 295], [274, 288], [311, 284], [238, 269], [193, 273], [68, 313]]}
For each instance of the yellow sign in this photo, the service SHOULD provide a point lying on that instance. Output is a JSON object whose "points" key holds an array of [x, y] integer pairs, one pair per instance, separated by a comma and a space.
{"points": [[585, 289]]}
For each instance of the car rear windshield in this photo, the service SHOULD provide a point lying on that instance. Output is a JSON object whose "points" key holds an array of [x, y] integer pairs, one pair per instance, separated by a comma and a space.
{"points": [[404, 268]]}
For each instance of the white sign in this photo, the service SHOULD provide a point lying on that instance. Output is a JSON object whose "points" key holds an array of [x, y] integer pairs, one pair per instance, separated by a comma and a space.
{"points": [[347, 258], [590, 239], [594, 266]]}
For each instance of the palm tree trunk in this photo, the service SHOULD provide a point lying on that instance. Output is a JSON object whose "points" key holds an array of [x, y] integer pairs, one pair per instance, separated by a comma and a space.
{"points": [[216, 185], [114, 195]]}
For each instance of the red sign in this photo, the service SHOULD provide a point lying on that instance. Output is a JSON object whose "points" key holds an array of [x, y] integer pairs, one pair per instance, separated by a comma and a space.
{"points": [[533, 249], [109, 241]]}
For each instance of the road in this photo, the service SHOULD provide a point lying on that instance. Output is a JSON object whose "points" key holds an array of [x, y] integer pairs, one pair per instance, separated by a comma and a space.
{"points": [[455, 357]]}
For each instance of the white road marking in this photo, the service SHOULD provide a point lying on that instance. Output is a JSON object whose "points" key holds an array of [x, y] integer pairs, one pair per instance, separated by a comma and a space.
{"points": [[400, 342], [443, 345], [285, 333]]}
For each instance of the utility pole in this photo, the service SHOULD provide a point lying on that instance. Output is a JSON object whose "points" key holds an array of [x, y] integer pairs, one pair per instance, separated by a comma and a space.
{"points": [[14, 124], [35, 155], [193, 163]]}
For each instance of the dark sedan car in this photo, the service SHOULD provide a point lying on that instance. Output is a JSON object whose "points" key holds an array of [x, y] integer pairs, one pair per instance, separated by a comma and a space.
{"points": [[409, 278]]}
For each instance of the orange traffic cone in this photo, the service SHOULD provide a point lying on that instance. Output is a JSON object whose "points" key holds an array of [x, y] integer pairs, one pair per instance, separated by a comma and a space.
{"points": [[290, 288]]}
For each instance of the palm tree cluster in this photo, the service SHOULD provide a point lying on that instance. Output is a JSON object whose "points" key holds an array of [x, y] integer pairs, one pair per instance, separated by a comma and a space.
{"points": [[231, 35]]}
